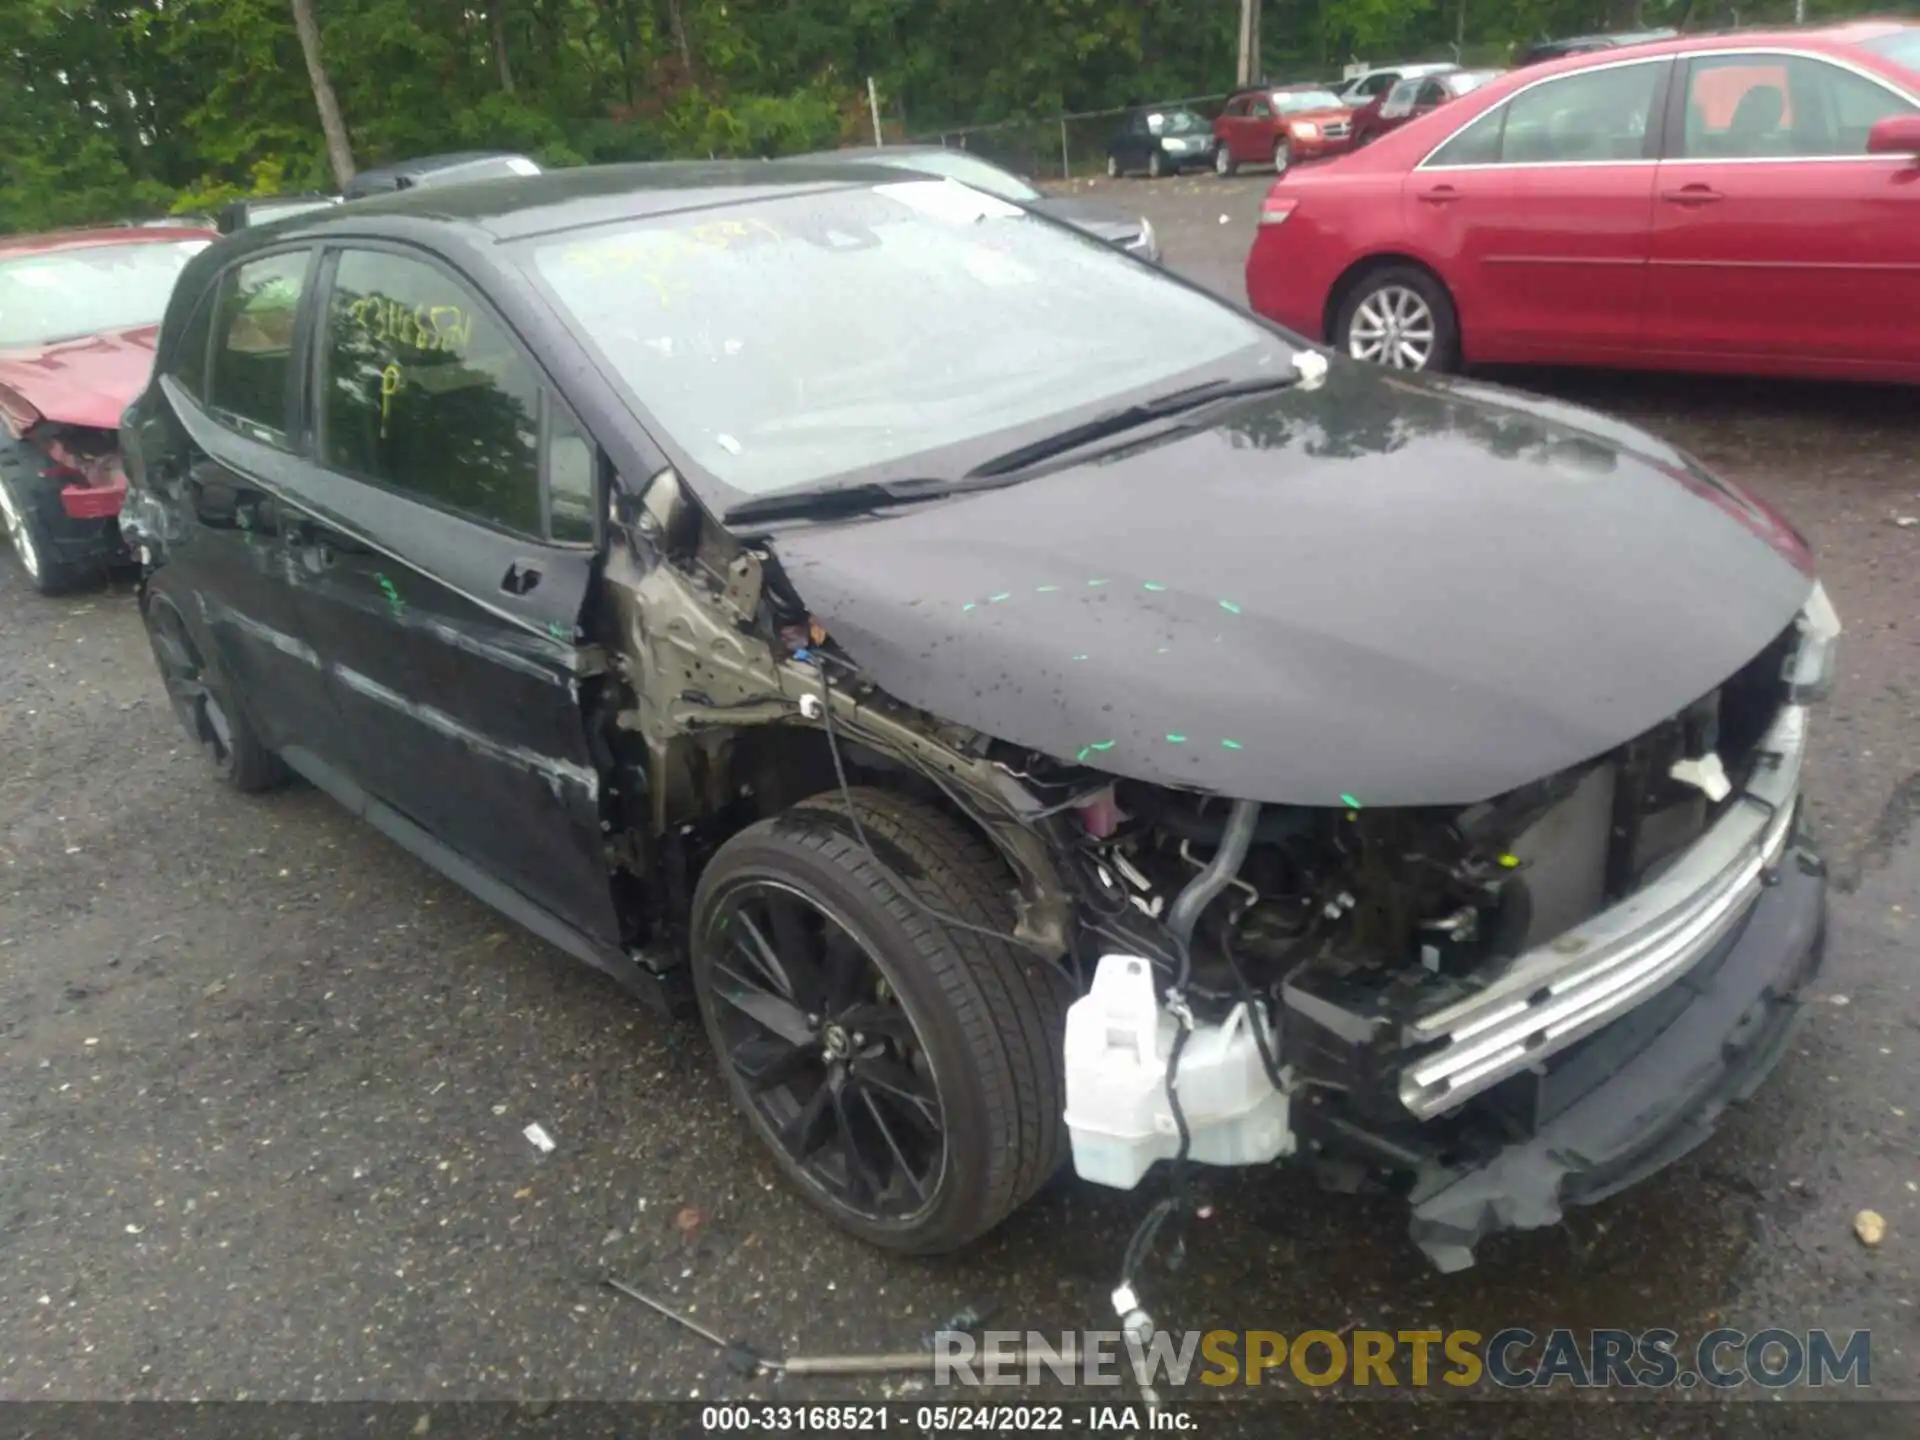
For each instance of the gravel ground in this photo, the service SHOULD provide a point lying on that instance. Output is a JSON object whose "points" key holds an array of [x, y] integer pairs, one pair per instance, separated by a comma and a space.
{"points": [[264, 1076]]}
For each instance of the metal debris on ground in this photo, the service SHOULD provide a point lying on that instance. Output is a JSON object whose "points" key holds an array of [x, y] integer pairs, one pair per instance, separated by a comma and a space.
{"points": [[539, 1138], [745, 1358]]}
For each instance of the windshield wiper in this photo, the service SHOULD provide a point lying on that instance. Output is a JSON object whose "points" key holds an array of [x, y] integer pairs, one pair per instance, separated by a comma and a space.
{"points": [[829, 500], [1129, 417]]}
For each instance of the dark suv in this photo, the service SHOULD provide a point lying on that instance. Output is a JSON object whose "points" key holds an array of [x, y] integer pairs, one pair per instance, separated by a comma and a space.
{"points": [[937, 643]]}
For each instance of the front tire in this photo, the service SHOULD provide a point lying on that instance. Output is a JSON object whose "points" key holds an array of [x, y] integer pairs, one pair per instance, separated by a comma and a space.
{"points": [[1282, 155], [203, 701], [1113, 167], [905, 1074], [1223, 162], [24, 527], [1156, 166], [1400, 317]]}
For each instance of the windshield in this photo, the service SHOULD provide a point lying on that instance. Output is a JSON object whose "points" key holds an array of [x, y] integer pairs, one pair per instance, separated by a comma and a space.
{"points": [[1289, 102], [783, 342], [64, 294], [1902, 47], [967, 169], [1176, 122]]}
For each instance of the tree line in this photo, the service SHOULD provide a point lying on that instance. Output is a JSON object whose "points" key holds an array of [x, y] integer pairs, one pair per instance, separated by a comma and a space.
{"points": [[115, 109]]}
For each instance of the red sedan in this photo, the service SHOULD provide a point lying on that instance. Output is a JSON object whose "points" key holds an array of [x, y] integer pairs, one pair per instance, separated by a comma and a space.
{"points": [[78, 314], [1746, 204]]}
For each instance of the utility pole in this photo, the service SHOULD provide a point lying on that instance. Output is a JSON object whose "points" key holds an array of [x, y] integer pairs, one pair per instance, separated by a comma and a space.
{"points": [[1799, 12], [1460, 32], [873, 110], [1249, 40]]}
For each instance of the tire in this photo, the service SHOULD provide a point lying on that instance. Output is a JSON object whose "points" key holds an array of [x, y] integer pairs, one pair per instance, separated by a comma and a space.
{"points": [[24, 525], [1156, 166], [202, 700], [1282, 155], [1113, 167], [984, 1019], [1224, 165], [1381, 294]]}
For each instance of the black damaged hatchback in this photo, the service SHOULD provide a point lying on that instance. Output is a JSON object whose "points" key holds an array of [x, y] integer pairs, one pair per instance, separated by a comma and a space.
{"points": [[1034, 710]]}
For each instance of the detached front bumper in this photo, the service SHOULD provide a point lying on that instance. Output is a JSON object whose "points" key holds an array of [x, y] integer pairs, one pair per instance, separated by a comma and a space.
{"points": [[1636, 1096]]}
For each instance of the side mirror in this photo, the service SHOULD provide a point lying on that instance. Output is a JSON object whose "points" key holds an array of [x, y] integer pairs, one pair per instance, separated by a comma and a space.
{"points": [[1895, 135]]}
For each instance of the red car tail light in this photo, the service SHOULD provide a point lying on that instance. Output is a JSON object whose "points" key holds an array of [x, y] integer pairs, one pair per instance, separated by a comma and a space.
{"points": [[1275, 209]]}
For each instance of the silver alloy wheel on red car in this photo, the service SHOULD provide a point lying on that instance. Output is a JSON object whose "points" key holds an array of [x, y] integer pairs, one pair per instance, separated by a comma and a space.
{"points": [[1393, 326], [1282, 155], [1223, 161], [20, 533]]}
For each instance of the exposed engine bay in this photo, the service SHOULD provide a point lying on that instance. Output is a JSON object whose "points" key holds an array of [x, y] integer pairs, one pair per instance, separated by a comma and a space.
{"points": [[1283, 970]]}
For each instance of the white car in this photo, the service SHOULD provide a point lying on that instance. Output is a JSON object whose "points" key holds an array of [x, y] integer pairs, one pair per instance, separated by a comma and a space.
{"points": [[1374, 83]]}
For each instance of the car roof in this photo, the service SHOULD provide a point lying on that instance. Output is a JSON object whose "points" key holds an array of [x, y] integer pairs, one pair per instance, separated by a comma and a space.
{"points": [[1420, 67], [1825, 37], [99, 235], [513, 207]]}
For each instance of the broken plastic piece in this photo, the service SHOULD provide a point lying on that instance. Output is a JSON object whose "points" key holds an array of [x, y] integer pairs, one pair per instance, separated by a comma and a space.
{"points": [[536, 1134], [1706, 774]]}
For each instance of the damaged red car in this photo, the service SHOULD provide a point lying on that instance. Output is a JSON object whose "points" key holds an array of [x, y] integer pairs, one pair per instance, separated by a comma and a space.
{"points": [[78, 313], [1048, 714]]}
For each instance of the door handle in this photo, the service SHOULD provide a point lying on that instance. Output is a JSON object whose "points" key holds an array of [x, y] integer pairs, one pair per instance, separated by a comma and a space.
{"points": [[1440, 195], [522, 576], [1692, 195]]}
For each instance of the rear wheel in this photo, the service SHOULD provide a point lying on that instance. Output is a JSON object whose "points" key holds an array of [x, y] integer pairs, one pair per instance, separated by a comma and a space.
{"points": [[1400, 317], [1156, 165], [204, 703], [905, 1074], [1113, 167], [25, 526]]}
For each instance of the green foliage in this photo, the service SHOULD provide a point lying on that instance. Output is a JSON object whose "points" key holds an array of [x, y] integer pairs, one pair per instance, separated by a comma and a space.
{"points": [[114, 109]]}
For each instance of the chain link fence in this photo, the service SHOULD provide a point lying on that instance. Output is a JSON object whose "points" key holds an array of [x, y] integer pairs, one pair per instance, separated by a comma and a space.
{"points": [[1060, 147]]}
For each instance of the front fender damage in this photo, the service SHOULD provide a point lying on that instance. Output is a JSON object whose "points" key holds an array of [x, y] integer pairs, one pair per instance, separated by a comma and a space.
{"points": [[701, 670]]}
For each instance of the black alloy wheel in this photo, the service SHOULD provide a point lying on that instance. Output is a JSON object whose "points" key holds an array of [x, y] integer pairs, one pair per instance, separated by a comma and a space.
{"points": [[831, 1057], [201, 702], [904, 1073]]}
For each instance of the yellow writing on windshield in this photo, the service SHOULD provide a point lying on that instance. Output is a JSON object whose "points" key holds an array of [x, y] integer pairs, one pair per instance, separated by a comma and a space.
{"points": [[443, 329]]}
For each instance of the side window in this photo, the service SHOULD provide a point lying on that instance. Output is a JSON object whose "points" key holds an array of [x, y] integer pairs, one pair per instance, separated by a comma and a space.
{"points": [[1759, 107], [1399, 100], [1432, 93], [1262, 110], [1378, 84], [189, 363], [1477, 144], [571, 462], [1593, 115], [422, 391], [1237, 108], [253, 321]]}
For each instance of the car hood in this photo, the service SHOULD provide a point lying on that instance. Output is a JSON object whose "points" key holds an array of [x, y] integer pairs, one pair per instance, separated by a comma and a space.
{"points": [[1089, 215], [1396, 592], [88, 381]]}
